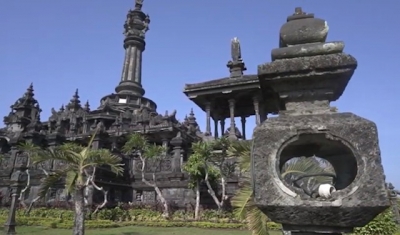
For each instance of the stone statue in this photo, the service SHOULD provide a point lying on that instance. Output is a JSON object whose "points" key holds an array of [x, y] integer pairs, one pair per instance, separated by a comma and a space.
{"points": [[236, 52], [146, 24]]}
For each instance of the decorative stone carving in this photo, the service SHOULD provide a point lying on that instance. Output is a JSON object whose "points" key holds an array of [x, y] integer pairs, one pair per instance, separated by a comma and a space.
{"points": [[149, 196], [21, 159], [137, 23]]}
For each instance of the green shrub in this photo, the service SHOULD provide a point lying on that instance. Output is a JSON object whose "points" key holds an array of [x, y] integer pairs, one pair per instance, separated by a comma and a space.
{"points": [[116, 217], [383, 224]]}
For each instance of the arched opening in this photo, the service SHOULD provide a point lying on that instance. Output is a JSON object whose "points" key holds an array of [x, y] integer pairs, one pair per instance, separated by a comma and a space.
{"points": [[330, 155]]}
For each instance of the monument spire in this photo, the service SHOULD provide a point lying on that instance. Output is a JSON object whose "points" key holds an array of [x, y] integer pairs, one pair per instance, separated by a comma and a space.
{"points": [[135, 28]]}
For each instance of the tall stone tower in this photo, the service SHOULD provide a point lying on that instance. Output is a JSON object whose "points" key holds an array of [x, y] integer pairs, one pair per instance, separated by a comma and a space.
{"points": [[129, 92]]}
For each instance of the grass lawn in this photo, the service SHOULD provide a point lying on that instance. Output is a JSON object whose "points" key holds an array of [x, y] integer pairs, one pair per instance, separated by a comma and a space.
{"points": [[135, 231]]}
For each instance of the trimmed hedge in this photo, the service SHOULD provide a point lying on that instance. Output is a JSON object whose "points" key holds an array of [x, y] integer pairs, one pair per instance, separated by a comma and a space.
{"points": [[98, 224], [119, 217]]}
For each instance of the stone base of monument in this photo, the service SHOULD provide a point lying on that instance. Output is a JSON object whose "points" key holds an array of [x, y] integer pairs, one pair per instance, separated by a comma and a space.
{"points": [[348, 142]]}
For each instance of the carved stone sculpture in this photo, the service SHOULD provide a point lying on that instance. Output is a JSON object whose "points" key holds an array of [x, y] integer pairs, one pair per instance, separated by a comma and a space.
{"points": [[306, 74]]}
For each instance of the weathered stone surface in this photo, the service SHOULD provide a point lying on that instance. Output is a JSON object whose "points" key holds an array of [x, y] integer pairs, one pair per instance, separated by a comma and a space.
{"points": [[321, 77], [301, 65], [354, 205], [310, 49], [179, 196], [303, 28]]}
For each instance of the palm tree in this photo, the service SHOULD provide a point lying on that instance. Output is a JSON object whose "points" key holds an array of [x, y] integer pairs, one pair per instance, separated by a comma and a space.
{"points": [[243, 201], [80, 164], [151, 154]]}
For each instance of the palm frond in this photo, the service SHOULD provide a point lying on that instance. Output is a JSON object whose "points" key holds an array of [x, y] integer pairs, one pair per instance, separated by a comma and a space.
{"points": [[50, 181], [54, 154], [241, 150], [307, 166], [28, 147], [257, 221], [84, 153], [104, 157], [70, 146], [70, 180], [242, 201]]}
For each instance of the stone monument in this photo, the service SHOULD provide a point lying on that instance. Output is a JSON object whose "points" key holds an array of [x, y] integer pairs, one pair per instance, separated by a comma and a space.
{"points": [[307, 73]]}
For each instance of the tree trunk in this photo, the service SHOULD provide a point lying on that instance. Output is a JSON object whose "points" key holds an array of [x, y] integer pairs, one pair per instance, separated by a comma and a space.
{"points": [[158, 192], [154, 185], [212, 192], [224, 197], [163, 201], [197, 208], [79, 220]]}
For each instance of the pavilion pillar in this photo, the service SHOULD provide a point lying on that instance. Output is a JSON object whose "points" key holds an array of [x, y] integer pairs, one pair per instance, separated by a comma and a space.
{"points": [[232, 133], [208, 118], [222, 122], [256, 104], [177, 143], [243, 120], [216, 127]]}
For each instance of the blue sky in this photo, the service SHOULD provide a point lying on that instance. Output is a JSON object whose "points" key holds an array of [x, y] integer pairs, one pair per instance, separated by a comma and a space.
{"points": [[67, 44]]}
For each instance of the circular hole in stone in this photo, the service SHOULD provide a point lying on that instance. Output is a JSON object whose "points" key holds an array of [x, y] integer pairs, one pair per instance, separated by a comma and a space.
{"points": [[313, 159]]}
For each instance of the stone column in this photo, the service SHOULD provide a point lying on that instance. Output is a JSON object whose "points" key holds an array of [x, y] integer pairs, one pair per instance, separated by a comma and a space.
{"points": [[243, 120], [18, 181], [256, 109], [176, 157], [208, 118], [165, 142], [222, 122], [216, 128], [133, 161], [84, 126], [135, 27], [232, 116], [97, 142]]}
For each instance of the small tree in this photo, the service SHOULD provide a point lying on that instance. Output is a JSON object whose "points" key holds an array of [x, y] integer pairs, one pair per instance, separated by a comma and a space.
{"points": [[195, 168], [79, 172], [211, 156], [31, 150], [149, 154]]}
